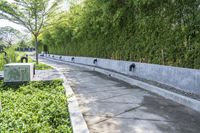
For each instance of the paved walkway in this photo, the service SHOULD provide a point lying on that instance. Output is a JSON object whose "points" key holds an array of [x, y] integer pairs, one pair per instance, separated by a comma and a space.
{"points": [[112, 106], [46, 75]]}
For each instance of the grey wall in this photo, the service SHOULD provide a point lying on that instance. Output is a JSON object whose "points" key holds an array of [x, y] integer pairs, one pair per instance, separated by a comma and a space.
{"points": [[184, 79]]}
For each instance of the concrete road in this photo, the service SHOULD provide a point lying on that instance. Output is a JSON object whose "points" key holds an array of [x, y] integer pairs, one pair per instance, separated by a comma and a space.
{"points": [[112, 106]]}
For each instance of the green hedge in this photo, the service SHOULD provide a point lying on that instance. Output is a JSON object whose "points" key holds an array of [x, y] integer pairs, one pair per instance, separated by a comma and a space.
{"points": [[152, 31]]}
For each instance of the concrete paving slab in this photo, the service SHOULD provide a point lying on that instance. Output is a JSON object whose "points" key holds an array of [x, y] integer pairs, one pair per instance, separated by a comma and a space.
{"points": [[105, 95], [91, 89], [117, 125], [135, 111], [96, 90], [42, 75], [106, 109], [136, 97], [141, 114], [92, 120]]}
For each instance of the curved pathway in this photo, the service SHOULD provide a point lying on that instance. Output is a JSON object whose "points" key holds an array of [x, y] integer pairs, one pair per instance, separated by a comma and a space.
{"points": [[112, 106]]}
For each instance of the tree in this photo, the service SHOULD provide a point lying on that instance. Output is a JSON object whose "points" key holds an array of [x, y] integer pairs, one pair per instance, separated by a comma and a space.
{"points": [[8, 35], [32, 14], [25, 42]]}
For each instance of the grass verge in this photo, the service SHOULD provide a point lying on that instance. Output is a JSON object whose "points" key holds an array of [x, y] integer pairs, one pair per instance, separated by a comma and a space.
{"points": [[34, 107]]}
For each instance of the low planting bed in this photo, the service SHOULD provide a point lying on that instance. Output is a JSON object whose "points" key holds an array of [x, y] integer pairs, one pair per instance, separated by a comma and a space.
{"points": [[34, 107]]}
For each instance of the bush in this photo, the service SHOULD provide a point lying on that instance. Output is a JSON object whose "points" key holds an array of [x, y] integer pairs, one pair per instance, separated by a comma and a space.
{"points": [[11, 57], [34, 107]]}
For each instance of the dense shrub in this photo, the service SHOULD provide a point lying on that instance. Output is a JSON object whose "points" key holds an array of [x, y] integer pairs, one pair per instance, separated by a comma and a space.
{"points": [[162, 32]]}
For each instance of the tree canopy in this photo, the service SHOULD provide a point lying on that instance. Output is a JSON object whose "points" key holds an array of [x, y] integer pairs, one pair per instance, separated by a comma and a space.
{"points": [[8, 36], [32, 14]]}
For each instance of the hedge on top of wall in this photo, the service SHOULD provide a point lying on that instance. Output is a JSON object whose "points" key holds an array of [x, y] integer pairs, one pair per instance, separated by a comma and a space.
{"points": [[163, 32]]}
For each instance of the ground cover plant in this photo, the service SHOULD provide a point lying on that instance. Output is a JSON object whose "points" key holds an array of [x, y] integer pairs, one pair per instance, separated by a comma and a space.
{"points": [[34, 107]]}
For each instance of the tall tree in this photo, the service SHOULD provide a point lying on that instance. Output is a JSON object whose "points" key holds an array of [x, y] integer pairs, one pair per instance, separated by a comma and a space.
{"points": [[8, 35], [32, 14]]}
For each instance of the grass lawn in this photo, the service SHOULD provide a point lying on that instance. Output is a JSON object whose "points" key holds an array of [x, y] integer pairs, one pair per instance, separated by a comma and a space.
{"points": [[35, 107]]}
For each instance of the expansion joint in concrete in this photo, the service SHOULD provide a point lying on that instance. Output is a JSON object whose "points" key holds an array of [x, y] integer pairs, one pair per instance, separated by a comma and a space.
{"points": [[114, 96]]}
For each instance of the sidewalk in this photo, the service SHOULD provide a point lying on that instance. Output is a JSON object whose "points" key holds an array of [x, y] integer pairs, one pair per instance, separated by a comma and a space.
{"points": [[112, 106], [46, 75]]}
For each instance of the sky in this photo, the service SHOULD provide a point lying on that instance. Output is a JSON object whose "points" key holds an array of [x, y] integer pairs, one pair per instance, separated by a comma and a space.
{"points": [[4, 23], [8, 23], [21, 28]]}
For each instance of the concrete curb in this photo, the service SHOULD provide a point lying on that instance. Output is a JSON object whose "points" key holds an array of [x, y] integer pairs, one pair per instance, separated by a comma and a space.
{"points": [[77, 121], [189, 102]]}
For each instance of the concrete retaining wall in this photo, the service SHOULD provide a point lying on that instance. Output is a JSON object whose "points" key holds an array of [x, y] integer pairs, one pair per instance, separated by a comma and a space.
{"points": [[187, 80]]}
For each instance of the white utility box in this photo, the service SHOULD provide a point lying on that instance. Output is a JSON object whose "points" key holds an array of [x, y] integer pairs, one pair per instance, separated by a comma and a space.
{"points": [[18, 72]]}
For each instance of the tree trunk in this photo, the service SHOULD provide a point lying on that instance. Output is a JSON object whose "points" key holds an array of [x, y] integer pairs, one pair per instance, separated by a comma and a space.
{"points": [[36, 49]]}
